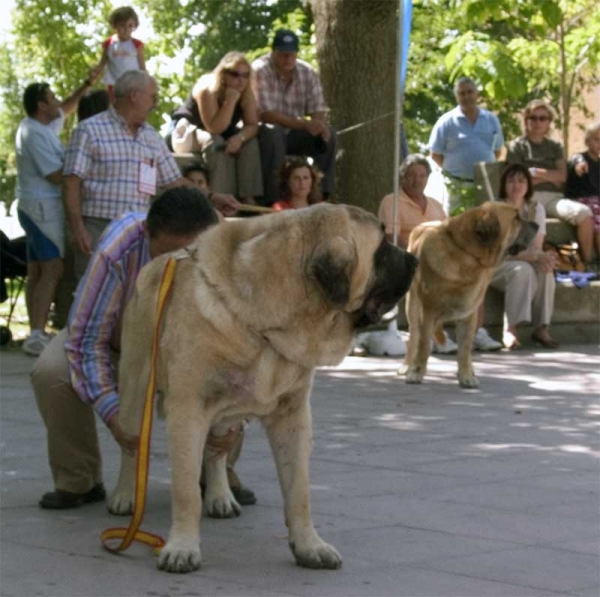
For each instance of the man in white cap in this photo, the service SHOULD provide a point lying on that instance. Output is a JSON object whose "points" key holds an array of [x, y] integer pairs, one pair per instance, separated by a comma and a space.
{"points": [[292, 110]]}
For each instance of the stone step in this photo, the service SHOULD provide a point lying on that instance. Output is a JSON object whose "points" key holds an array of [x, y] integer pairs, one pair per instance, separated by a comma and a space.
{"points": [[576, 317]]}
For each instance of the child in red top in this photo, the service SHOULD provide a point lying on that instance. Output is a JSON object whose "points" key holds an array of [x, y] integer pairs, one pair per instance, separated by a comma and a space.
{"points": [[121, 52]]}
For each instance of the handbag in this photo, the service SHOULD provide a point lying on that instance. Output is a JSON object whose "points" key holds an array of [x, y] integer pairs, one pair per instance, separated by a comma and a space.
{"points": [[567, 257]]}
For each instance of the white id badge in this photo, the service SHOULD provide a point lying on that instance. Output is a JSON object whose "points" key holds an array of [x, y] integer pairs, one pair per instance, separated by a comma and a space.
{"points": [[147, 178]]}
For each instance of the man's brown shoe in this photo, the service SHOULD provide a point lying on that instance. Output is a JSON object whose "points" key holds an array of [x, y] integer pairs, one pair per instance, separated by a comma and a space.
{"points": [[63, 500]]}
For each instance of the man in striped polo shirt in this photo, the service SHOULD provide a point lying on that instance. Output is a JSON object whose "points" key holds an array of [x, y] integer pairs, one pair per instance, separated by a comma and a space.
{"points": [[75, 377]]}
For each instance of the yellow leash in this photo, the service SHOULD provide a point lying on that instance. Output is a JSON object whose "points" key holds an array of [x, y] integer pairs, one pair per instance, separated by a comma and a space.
{"points": [[128, 535]]}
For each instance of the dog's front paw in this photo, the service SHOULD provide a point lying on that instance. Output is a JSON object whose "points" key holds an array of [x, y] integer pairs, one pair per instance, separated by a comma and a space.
{"points": [[469, 381], [179, 557], [120, 502], [220, 506], [317, 555], [413, 374]]}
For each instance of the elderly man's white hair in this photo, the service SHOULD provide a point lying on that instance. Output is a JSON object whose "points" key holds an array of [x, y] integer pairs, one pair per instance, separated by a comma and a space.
{"points": [[464, 81], [130, 80], [413, 158], [591, 129]]}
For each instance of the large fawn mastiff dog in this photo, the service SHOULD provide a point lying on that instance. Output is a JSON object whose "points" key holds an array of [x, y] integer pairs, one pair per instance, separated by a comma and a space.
{"points": [[456, 260], [256, 305]]}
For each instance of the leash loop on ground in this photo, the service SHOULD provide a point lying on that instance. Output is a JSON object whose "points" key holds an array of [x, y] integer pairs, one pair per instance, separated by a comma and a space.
{"points": [[132, 533]]}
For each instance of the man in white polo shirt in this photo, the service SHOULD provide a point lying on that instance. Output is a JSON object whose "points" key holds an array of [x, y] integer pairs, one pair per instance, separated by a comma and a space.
{"points": [[39, 159]]}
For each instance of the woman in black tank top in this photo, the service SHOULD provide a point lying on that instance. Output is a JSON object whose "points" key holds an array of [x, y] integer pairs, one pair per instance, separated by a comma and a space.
{"points": [[223, 108]]}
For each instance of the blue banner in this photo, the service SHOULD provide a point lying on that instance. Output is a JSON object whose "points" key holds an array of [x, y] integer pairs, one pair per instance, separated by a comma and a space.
{"points": [[406, 11]]}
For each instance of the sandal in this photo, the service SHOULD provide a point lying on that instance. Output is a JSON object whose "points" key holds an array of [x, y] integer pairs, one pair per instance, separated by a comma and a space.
{"points": [[63, 500], [544, 339], [510, 341]]}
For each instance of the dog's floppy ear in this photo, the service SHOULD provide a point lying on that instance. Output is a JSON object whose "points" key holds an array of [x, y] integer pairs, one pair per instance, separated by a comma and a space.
{"points": [[487, 229], [331, 266]]}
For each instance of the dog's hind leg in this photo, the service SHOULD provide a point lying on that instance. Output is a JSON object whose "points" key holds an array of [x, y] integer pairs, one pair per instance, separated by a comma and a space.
{"points": [[187, 428], [465, 333], [421, 328], [289, 430], [412, 316], [219, 501]]}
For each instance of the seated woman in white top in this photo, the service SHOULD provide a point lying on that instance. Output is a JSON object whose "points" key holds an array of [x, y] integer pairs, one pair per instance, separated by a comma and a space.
{"points": [[527, 279], [414, 208]]}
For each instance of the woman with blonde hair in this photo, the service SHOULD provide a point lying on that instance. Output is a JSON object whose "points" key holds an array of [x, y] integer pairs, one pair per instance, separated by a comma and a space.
{"points": [[545, 160], [219, 119]]}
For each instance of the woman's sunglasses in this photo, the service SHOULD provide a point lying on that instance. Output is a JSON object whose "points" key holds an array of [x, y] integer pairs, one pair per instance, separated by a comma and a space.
{"points": [[237, 75]]}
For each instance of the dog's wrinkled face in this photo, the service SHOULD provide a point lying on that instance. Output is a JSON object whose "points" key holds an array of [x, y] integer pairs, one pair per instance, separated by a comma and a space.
{"points": [[356, 268], [393, 270]]}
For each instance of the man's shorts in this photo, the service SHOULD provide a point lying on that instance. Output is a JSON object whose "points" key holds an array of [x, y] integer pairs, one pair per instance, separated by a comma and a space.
{"points": [[593, 203], [557, 206], [39, 246]]}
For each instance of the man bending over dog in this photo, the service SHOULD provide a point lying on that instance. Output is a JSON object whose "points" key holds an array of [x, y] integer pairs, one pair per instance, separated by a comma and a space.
{"points": [[76, 373]]}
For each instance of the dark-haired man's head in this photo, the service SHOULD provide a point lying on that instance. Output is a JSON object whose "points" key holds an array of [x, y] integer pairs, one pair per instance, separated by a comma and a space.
{"points": [[176, 218], [40, 102], [198, 175]]}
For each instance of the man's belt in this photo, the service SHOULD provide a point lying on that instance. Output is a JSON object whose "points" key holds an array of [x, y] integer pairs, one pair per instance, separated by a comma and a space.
{"points": [[459, 178]]}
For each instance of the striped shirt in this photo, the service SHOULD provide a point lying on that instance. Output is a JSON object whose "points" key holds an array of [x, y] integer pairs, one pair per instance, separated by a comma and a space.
{"points": [[302, 96], [95, 317], [107, 156]]}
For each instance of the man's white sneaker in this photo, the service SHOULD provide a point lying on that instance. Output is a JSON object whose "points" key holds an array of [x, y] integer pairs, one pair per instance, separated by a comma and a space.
{"points": [[448, 347], [484, 342], [35, 344]]}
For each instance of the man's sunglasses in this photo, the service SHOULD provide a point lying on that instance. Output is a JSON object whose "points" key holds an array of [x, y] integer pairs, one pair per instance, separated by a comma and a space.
{"points": [[540, 118]]}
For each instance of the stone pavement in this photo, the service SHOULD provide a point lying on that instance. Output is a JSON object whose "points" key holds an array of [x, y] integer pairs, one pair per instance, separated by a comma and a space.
{"points": [[425, 490]]}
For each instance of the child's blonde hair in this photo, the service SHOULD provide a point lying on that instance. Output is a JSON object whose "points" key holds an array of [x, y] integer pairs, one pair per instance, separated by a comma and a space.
{"points": [[122, 15]]}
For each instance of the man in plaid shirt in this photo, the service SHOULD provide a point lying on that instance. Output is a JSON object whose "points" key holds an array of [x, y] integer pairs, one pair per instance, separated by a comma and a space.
{"points": [[292, 111], [115, 162]]}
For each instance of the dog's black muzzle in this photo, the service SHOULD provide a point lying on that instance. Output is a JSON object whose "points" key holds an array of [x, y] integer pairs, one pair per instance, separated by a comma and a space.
{"points": [[394, 270], [526, 235]]}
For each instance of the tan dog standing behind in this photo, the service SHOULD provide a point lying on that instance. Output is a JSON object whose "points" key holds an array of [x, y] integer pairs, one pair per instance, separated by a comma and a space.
{"points": [[456, 260], [255, 307]]}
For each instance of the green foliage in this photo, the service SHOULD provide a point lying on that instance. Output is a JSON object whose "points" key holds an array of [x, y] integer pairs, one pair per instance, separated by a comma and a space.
{"points": [[516, 50], [59, 40], [51, 40], [528, 49], [428, 91], [203, 31]]}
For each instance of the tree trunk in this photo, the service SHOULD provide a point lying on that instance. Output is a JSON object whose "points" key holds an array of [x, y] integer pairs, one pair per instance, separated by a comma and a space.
{"points": [[356, 51], [564, 90]]}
